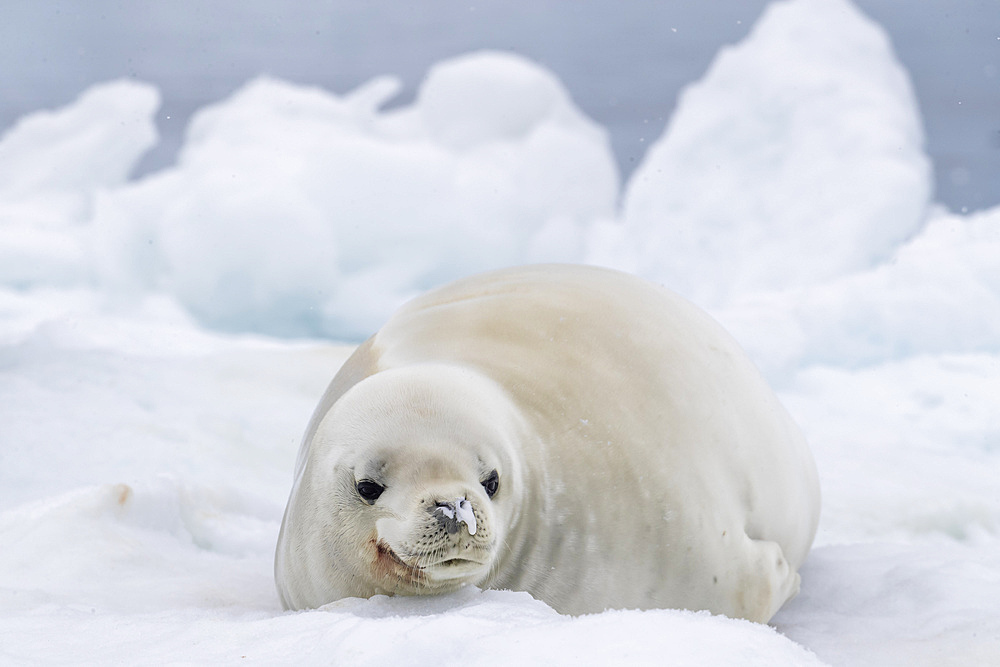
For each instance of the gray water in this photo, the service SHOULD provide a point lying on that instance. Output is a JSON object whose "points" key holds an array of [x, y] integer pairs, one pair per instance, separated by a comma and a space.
{"points": [[624, 61]]}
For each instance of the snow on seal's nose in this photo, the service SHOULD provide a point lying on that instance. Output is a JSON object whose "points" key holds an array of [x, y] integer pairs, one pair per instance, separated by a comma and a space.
{"points": [[459, 511], [464, 513]]}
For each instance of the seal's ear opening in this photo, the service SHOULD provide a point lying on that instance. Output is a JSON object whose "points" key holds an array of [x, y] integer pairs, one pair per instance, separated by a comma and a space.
{"points": [[491, 483], [369, 490]]}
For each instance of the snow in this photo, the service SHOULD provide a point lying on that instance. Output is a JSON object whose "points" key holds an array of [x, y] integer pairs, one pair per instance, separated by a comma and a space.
{"points": [[747, 134], [51, 166], [465, 514], [463, 510], [164, 340], [384, 204]]}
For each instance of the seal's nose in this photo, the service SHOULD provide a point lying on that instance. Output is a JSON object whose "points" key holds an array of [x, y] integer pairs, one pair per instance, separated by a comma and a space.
{"points": [[450, 513]]}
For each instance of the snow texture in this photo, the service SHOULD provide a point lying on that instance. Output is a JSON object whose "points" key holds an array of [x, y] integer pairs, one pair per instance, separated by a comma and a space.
{"points": [[164, 340], [748, 132], [293, 211], [465, 514]]}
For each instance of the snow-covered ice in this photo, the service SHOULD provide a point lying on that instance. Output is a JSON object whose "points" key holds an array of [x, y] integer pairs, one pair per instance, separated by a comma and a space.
{"points": [[492, 165], [748, 131], [163, 342]]}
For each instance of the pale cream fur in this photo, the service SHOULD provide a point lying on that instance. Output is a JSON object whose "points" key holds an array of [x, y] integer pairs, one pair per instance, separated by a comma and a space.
{"points": [[642, 460]]}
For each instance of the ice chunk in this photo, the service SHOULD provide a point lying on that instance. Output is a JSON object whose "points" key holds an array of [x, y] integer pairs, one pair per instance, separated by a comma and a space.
{"points": [[294, 211], [93, 142], [53, 164], [798, 158]]}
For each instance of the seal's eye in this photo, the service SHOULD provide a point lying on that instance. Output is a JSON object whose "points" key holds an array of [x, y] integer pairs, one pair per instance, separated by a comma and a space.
{"points": [[491, 483], [369, 490]]}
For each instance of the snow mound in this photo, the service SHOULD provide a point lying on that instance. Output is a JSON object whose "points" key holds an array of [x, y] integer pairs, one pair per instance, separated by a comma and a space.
{"points": [[907, 449], [93, 143], [52, 164], [938, 293], [297, 212], [102, 546], [798, 158], [513, 628], [946, 590]]}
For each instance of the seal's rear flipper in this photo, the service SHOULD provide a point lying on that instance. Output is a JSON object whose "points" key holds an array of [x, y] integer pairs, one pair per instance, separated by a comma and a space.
{"points": [[769, 581]]}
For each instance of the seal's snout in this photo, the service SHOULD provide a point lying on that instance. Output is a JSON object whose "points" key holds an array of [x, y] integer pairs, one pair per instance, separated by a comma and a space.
{"points": [[451, 513]]}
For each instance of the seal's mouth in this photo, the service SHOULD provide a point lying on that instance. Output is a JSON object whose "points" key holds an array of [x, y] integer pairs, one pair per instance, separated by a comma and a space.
{"points": [[453, 563], [421, 575], [454, 568], [388, 564]]}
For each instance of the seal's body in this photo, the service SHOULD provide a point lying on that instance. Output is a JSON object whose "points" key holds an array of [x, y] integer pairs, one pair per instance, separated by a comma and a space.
{"points": [[573, 432]]}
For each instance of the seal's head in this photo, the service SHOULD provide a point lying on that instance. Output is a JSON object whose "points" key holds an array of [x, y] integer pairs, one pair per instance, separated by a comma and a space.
{"points": [[409, 488]]}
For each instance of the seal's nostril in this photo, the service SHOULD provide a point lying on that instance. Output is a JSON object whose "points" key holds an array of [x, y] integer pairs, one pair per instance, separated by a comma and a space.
{"points": [[452, 513], [445, 508]]}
